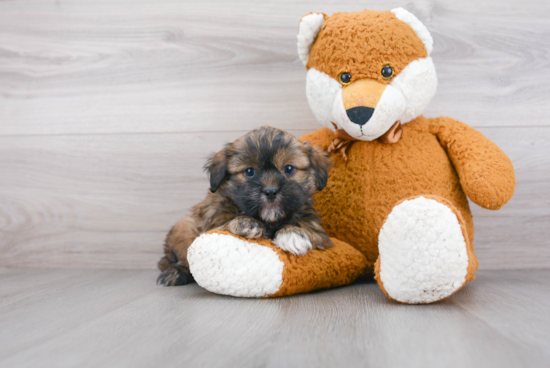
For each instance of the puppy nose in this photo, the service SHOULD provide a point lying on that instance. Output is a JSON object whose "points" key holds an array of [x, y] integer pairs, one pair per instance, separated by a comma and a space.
{"points": [[270, 192], [360, 115]]}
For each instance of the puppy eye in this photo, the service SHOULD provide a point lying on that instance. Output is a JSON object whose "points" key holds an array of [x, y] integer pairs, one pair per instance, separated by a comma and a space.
{"points": [[289, 169], [250, 172], [387, 72], [345, 78]]}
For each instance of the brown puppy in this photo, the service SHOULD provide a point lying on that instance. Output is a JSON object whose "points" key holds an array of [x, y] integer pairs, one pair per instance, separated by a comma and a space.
{"points": [[261, 185]]}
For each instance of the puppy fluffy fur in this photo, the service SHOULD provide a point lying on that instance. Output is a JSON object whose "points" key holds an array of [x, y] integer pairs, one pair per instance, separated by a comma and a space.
{"points": [[261, 185]]}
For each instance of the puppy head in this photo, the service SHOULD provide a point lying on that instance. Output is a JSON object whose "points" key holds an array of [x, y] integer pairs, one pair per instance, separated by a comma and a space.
{"points": [[268, 173]]}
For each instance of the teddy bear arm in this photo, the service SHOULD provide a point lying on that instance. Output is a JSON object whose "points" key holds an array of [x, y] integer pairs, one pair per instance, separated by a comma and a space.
{"points": [[486, 173]]}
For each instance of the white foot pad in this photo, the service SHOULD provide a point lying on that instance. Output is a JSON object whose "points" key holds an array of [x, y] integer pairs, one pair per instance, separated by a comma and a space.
{"points": [[225, 264], [423, 255]]}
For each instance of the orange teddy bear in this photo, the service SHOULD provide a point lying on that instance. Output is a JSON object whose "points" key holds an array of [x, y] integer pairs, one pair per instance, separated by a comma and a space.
{"points": [[395, 202]]}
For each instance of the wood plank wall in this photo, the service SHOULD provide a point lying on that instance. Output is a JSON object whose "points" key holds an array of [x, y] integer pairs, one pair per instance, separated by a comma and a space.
{"points": [[109, 108]]}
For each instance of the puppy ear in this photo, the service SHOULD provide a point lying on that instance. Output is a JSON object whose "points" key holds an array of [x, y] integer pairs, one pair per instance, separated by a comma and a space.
{"points": [[320, 164], [216, 167]]}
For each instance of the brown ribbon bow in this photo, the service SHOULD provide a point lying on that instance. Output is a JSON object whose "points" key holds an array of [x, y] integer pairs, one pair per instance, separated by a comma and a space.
{"points": [[343, 140]]}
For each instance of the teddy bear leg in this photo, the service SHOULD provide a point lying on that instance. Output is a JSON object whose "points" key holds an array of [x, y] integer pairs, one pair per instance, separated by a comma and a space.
{"points": [[228, 264], [425, 251]]}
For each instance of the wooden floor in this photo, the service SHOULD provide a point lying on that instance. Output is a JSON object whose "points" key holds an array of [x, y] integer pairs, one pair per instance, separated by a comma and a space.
{"points": [[120, 318]]}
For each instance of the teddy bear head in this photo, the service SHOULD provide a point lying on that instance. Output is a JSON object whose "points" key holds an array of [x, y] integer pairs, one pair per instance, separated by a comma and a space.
{"points": [[367, 70]]}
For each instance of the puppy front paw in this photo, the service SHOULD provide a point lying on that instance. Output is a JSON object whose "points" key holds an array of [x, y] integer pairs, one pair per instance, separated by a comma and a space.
{"points": [[293, 239], [247, 227]]}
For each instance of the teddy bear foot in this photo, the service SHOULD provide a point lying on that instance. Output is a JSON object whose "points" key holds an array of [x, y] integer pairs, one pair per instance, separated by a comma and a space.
{"points": [[228, 264], [425, 252], [231, 265]]}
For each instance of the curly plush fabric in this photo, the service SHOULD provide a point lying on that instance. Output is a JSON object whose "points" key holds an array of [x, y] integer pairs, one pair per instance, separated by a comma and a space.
{"points": [[425, 251], [228, 264], [307, 32], [377, 176], [486, 173], [362, 43]]}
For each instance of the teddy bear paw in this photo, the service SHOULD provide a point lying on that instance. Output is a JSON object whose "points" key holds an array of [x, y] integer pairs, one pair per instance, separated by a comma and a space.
{"points": [[423, 252], [229, 265]]}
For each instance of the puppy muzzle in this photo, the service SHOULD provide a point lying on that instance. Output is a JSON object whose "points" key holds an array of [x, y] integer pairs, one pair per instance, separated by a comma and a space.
{"points": [[270, 193]]}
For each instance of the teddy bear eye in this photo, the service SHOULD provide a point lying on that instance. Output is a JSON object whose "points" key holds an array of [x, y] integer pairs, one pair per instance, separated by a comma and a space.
{"points": [[250, 172], [345, 78], [289, 169], [387, 72]]}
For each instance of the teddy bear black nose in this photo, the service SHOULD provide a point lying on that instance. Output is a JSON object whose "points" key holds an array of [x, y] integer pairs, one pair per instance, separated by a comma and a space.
{"points": [[360, 115]]}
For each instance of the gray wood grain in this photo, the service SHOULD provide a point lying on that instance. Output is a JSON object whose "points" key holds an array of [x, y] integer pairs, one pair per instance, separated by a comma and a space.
{"points": [[67, 318], [108, 109], [98, 67]]}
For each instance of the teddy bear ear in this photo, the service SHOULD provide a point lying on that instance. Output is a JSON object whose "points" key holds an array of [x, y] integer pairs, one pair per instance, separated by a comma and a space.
{"points": [[310, 26], [420, 29]]}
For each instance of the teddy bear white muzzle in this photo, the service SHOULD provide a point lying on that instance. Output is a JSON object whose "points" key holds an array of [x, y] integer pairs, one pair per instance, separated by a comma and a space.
{"points": [[357, 122], [402, 100]]}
